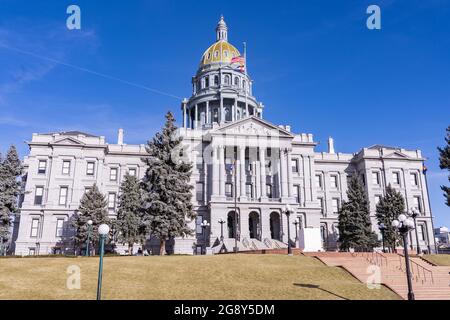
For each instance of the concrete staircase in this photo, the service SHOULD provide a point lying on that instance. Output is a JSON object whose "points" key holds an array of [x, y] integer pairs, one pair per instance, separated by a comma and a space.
{"points": [[429, 282]]}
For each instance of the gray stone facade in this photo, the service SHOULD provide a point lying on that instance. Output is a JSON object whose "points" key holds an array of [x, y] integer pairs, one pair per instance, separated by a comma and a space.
{"points": [[242, 164]]}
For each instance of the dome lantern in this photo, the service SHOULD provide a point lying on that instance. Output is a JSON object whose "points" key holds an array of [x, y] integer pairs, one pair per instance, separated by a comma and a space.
{"points": [[222, 30]]}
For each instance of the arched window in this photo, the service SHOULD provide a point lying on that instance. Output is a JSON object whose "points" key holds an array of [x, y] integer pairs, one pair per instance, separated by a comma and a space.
{"points": [[216, 80], [244, 84], [206, 82], [227, 80], [236, 81]]}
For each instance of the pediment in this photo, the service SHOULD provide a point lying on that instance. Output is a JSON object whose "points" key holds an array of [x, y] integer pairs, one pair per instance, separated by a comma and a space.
{"points": [[396, 155], [253, 126], [68, 141]]}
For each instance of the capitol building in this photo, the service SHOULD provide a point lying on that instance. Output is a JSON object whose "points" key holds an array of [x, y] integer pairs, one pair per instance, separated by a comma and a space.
{"points": [[253, 180]]}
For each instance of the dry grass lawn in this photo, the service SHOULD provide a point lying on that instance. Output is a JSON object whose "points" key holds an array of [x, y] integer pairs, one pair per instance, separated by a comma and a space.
{"points": [[438, 259], [184, 277]]}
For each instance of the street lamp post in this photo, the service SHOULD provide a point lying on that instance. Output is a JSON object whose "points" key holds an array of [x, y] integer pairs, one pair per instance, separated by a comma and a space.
{"points": [[221, 221], [88, 237], [287, 211], [382, 228], [204, 225], [404, 225], [103, 230], [413, 214], [296, 223]]}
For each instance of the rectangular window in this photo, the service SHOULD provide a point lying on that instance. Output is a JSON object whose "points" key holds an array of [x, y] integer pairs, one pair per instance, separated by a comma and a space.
{"points": [[335, 203], [249, 190], [322, 209], [132, 172], [198, 225], [63, 196], [417, 204], [111, 200], [229, 190], [396, 178], [334, 181], [376, 178], [414, 179], [363, 179], [113, 174], [59, 227], [34, 227], [38, 196], [42, 167], [421, 232], [319, 181], [90, 168], [297, 193], [294, 165], [199, 191], [269, 190], [66, 167]]}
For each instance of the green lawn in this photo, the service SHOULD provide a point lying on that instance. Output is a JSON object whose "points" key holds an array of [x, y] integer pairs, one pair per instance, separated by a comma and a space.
{"points": [[184, 277], [438, 259]]}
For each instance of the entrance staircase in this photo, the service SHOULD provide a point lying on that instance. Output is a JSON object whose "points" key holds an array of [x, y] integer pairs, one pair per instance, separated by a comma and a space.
{"points": [[247, 244], [429, 282]]}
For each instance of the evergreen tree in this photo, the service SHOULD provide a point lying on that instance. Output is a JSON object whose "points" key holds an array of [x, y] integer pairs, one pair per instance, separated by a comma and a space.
{"points": [[10, 171], [388, 209], [167, 191], [93, 206], [355, 228], [444, 159], [129, 218]]}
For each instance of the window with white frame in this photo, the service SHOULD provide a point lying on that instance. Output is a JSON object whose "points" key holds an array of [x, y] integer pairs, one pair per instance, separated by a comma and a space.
{"points": [[297, 193], [42, 166], [319, 181], [66, 167], [321, 204], [335, 204], [421, 232], [132, 172], [90, 168], [199, 191], [59, 227], [269, 190], [249, 190], [334, 181], [414, 179], [294, 163], [229, 190], [396, 178], [63, 191], [34, 227], [38, 195], [417, 203], [198, 224], [111, 200], [113, 174], [376, 178]]}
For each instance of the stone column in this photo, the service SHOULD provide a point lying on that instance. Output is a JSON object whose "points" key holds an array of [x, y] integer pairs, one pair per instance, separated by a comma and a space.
{"points": [[243, 174], [284, 184], [262, 164], [207, 117], [222, 177], [289, 173], [184, 115], [257, 180], [215, 172], [195, 116], [221, 116], [235, 110]]}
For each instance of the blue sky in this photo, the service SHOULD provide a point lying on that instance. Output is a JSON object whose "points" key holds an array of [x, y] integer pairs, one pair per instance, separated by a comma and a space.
{"points": [[314, 63]]}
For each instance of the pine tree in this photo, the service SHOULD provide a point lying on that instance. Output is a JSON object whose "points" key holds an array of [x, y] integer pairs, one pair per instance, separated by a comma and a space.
{"points": [[10, 171], [388, 209], [355, 228], [167, 191], [444, 163], [129, 224], [93, 206]]}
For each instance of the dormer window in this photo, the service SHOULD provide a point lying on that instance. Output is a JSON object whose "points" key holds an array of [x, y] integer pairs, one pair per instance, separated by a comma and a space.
{"points": [[227, 80], [236, 81], [216, 80], [225, 54], [216, 54]]}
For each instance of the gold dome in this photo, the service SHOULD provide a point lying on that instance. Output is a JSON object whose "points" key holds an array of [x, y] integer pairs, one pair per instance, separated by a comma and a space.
{"points": [[220, 52]]}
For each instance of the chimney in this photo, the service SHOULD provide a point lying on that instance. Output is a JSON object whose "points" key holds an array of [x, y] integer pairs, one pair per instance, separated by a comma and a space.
{"points": [[120, 137], [331, 145]]}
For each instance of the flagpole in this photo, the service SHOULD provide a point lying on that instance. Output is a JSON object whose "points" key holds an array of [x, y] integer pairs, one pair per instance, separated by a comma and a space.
{"points": [[245, 57]]}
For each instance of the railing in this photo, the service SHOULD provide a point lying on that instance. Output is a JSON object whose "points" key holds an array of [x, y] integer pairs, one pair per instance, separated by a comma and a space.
{"points": [[245, 243], [418, 272]]}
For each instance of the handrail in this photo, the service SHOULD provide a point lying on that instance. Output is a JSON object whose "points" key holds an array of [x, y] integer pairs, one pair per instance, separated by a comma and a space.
{"points": [[419, 268]]}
